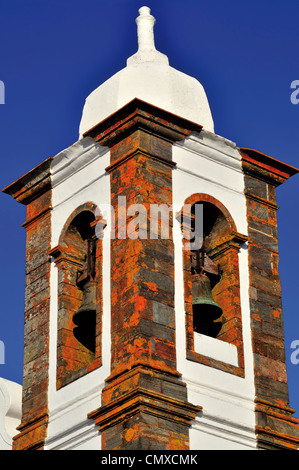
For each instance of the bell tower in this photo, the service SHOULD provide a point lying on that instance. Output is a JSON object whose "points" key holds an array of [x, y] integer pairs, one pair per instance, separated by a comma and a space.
{"points": [[153, 315]]}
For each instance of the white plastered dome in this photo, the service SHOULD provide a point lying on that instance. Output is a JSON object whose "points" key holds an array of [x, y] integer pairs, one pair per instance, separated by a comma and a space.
{"points": [[148, 77]]}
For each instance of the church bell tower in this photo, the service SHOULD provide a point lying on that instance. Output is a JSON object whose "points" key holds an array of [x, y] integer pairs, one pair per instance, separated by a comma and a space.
{"points": [[153, 315]]}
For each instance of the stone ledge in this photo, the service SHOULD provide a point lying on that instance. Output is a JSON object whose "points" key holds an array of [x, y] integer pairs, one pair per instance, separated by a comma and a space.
{"points": [[141, 400]]}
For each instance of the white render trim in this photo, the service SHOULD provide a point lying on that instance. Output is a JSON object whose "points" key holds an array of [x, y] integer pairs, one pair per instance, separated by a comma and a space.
{"points": [[218, 150], [181, 169], [214, 146], [75, 437], [228, 435], [73, 159], [219, 391], [216, 349], [79, 176], [84, 395], [228, 417], [63, 434], [79, 190]]}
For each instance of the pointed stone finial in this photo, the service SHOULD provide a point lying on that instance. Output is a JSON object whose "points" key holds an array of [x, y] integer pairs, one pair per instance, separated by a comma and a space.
{"points": [[146, 42]]}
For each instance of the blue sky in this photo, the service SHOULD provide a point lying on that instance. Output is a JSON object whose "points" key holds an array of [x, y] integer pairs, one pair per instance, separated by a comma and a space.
{"points": [[54, 53]]}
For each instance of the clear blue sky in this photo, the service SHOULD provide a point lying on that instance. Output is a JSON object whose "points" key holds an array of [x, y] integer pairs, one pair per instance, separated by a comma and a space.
{"points": [[55, 52]]}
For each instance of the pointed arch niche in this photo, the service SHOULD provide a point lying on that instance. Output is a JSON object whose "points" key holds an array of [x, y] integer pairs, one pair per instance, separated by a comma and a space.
{"points": [[217, 342], [79, 255]]}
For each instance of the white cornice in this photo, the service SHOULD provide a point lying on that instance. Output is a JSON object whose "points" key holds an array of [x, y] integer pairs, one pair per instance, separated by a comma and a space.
{"points": [[73, 159], [213, 147]]}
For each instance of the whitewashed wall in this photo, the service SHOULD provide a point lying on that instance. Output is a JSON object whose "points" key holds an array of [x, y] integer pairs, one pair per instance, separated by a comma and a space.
{"points": [[78, 177], [207, 163], [10, 411]]}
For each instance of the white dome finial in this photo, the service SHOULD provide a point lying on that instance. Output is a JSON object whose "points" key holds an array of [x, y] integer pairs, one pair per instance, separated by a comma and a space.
{"points": [[145, 29], [146, 43], [148, 77]]}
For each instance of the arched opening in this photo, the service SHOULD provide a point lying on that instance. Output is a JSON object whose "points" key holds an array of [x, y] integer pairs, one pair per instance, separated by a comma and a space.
{"points": [[211, 276], [81, 237], [206, 274], [79, 261]]}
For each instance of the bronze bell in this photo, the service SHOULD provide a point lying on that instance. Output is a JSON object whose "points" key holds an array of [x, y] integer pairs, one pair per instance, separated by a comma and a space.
{"points": [[85, 281], [204, 306], [85, 317], [87, 309]]}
